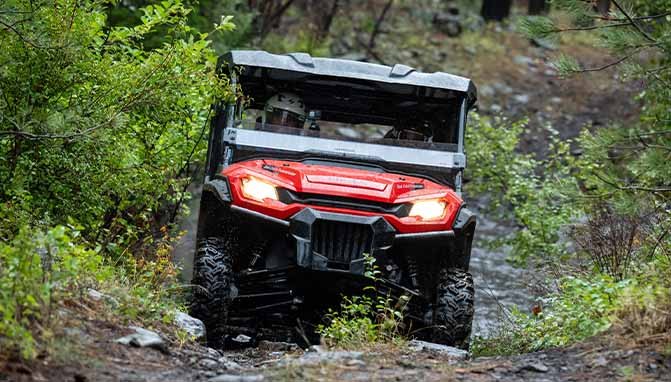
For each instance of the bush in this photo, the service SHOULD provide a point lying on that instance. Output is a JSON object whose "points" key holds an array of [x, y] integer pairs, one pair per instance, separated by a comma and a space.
{"points": [[581, 309], [537, 195], [37, 271], [367, 319], [41, 272], [95, 127]]}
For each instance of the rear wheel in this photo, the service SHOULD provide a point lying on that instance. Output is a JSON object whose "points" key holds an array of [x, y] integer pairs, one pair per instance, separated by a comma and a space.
{"points": [[213, 278], [453, 311]]}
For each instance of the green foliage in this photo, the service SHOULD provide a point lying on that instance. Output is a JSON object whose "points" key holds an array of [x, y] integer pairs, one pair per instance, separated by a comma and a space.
{"points": [[304, 41], [622, 170], [95, 127], [41, 271], [626, 162], [201, 16], [366, 319], [98, 128], [582, 308], [37, 271], [539, 191]]}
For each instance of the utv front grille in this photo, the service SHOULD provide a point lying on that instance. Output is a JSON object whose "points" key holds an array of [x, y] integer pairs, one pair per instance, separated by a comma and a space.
{"points": [[288, 197], [341, 242]]}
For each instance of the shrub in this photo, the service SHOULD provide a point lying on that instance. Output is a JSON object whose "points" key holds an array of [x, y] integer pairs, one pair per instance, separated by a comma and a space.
{"points": [[366, 319], [96, 126], [581, 309], [538, 195], [611, 240], [40, 272], [37, 271]]}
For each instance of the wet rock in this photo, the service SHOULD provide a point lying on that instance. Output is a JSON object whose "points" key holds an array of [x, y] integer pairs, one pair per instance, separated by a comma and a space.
{"points": [[208, 363], [444, 350], [277, 346], [144, 338], [486, 91], [213, 353], [236, 378], [316, 349], [601, 361], [550, 73], [242, 339], [227, 364], [544, 43], [191, 325], [523, 60], [503, 88], [356, 362], [537, 367], [315, 358], [522, 98], [99, 296]]}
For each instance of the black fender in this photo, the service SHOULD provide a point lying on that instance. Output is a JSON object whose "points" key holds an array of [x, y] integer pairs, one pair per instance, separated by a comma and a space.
{"points": [[464, 229], [218, 188], [214, 209]]}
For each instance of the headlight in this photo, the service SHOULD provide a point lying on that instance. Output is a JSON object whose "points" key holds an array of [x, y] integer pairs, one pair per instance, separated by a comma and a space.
{"points": [[428, 209], [259, 190]]}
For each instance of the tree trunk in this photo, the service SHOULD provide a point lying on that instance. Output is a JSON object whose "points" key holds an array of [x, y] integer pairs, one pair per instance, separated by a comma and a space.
{"points": [[495, 10], [376, 30], [603, 7], [269, 14], [323, 16], [538, 7]]}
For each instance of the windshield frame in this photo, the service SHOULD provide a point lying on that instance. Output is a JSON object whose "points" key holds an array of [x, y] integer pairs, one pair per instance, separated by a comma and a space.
{"points": [[362, 151]]}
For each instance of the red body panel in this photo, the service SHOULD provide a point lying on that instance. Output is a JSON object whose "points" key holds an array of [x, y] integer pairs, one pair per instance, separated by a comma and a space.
{"points": [[343, 182]]}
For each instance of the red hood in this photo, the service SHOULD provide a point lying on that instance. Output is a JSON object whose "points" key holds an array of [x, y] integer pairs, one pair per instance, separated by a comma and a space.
{"points": [[342, 181]]}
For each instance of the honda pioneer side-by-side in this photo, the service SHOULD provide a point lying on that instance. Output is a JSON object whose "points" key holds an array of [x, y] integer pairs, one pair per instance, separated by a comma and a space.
{"points": [[318, 166]]}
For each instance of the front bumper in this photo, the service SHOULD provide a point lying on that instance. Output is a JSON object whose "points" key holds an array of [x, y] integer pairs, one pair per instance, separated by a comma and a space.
{"points": [[335, 241], [332, 241]]}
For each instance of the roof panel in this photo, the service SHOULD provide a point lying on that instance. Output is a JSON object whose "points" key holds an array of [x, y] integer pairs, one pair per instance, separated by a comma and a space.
{"points": [[302, 62]]}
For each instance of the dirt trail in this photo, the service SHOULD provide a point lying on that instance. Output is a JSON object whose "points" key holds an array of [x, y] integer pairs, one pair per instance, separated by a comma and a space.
{"points": [[102, 359]]}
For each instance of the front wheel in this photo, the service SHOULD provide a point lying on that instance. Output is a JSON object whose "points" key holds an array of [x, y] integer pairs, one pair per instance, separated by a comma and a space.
{"points": [[213, 281], [453, 311]]}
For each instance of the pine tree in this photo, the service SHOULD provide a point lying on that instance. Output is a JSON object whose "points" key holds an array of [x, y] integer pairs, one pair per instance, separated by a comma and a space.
{"points": [[626, 167]]}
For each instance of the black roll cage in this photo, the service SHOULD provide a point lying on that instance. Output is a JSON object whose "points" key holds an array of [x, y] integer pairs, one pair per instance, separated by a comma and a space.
{"points": [[344, 91]]}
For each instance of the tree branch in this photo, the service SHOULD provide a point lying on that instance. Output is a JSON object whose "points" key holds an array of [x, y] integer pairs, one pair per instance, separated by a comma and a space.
{"points": [[633, 22], [11, 28], [593, 27], [378, 24], [662, 189], [604, 67], [639, 18]]}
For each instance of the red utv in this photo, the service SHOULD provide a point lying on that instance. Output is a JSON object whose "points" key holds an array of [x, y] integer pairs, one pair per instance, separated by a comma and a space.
{"points": [[316, 163]]}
